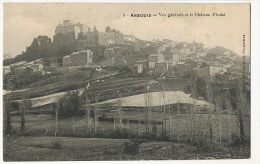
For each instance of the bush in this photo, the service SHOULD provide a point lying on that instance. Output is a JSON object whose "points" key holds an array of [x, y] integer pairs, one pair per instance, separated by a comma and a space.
{"points": [[132, 146], [121, 134], [69, 104], [56, 144], [207, 147], [235, 140], [204, 144]]}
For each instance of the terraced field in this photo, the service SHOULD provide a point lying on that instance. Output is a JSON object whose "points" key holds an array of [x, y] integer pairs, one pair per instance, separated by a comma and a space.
{"points": [[49, 90]]}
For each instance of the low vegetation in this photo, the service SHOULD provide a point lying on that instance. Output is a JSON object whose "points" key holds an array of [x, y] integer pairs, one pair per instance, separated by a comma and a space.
{"points": [[132, 146], [100, 149], [69, 104]]}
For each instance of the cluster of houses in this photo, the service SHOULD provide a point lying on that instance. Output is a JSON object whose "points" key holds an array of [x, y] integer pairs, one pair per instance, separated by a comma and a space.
{"points": [[177, 63], [169, 57], [162, 57], [25, 67]]}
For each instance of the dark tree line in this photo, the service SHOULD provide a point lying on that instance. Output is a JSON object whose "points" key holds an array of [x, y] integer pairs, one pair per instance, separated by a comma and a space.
{"points": [[53, 51], [44, 47]]}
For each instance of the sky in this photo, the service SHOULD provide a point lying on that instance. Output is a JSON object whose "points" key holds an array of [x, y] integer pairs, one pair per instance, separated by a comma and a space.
{"points": [[24, 21]]}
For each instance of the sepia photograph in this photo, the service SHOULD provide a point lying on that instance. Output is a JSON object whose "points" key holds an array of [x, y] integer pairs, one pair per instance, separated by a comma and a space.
{"points": [[126, 81]]}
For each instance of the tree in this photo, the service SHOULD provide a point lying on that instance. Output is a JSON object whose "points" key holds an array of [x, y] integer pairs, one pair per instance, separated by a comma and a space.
{"points": [[42, 47], [69, 104], [7, 118], [45, 45], [201, 88], [39, 48], [95, 29], [63, 44], [24, 106], [240, 103], [32, 52]]}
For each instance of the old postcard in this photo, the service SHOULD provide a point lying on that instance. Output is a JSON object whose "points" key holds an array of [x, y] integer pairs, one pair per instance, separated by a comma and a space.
{"points": [[126, 81]]}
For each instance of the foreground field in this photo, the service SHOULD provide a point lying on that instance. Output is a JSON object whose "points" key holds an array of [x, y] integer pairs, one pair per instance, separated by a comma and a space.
{"points": [[223, 126], [87, 149], [75, 141]]}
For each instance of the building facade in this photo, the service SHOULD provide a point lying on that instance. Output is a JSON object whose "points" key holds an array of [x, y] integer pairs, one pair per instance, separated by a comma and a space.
{"points": [[144, 64], [213, 69], [155, 58], [137, 69], [172, 58], [6, 69], [83, 58], [68, 27], [114, 57]]}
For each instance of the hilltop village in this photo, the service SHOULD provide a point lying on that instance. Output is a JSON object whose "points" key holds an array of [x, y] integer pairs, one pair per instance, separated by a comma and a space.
{"points": [[77, 48], [85, 83], [114, 49]]}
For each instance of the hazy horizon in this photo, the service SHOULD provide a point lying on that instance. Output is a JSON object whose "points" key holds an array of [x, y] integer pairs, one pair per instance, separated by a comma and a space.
{"points": [[25, 21]]}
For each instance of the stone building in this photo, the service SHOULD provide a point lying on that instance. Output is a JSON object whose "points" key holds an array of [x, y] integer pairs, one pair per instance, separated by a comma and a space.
{"points": [[68, 27], [144, 64], [141, 66], [155, 58], [6, 69], [100, 38], [83, 58], [171, 58], [114, 57], [137, 69], [211, 70]]}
